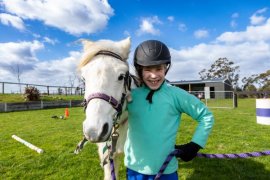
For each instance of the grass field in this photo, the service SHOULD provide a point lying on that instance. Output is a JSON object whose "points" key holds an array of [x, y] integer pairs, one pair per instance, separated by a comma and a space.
{"points": [[235, 131]]}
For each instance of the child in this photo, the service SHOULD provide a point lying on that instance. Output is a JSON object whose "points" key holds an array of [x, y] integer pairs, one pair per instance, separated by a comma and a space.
{"points": [[155, 115]]}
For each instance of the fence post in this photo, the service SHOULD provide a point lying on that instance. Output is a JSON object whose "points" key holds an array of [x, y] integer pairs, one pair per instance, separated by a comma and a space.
{"points": [[235, 103], [5, 107], [3, 88]]}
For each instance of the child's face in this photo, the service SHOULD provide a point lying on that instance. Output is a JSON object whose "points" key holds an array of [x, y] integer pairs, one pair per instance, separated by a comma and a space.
{"points": [[153, 76]]}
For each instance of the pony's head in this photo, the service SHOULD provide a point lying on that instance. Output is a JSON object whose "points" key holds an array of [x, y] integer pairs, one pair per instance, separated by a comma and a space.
{"points": [[105, 69]]}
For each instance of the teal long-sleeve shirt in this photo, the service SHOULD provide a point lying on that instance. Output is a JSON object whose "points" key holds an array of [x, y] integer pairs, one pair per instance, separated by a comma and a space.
{"points": [[152, 127]]}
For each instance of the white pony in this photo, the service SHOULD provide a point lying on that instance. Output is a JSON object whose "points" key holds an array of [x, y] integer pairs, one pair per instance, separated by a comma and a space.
{"points": [[105, 70]]}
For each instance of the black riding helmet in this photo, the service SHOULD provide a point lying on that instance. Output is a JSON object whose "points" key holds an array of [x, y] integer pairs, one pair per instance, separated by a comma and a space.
{"points": [[150, 53]]}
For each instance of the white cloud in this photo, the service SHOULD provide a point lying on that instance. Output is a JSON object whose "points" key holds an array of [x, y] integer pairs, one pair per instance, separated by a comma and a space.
{"points": [[11, 20], [54, 71], [235, 15], [19, 53], [147, 26], [182, 27], [199, 34], [50, 41], [263, 10], [84, 16], [252, 33], [257, 18], [171, 18], [126, 33], [233, 24], [14, 56]]}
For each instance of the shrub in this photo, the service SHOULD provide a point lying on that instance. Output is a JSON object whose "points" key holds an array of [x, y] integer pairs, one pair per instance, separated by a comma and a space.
{"points": [[31, 94]]}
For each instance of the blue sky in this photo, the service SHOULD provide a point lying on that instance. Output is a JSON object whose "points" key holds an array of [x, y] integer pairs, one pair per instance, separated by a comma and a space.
{"points": [[40, 36]]}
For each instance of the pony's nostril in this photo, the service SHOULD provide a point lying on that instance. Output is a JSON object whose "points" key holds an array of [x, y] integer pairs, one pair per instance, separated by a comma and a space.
{"points": [[104, 130]]}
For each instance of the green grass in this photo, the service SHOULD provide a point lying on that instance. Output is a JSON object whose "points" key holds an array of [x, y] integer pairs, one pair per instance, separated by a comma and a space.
{"points": [[235, 131], [20, 98]]}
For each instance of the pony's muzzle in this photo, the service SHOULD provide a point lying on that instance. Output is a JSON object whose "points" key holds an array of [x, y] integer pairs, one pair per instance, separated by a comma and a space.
{"points": [[105, 130], [97, 135]]}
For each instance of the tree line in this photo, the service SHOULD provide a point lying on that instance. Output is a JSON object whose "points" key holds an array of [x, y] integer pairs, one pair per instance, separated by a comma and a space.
{"points": [[224, 68]]}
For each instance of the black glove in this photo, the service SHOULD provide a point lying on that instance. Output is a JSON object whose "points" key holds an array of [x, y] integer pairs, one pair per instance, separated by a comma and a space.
{"points": [[187, 151]]}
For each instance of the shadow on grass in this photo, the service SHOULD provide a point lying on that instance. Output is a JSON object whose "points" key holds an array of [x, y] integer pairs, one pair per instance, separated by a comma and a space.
{"points": [[226, 169]]}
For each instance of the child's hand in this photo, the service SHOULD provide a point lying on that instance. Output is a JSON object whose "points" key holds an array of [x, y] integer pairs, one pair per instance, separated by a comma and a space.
{"points": [[187, 151]]}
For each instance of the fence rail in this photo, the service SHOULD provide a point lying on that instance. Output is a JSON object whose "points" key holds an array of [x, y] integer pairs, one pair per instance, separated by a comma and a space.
{"points": [[253, 94], [16, 88], [23, 106]]}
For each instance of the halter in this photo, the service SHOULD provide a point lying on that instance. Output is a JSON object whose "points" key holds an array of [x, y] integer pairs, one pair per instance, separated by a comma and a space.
{"points": [[111, 100], [117, 105]]}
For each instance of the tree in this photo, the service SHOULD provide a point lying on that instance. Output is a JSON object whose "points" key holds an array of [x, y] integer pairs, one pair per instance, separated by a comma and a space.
{"points": [[248, 83], [17, 71], [31, 94], [222, 68], [262, 81]]}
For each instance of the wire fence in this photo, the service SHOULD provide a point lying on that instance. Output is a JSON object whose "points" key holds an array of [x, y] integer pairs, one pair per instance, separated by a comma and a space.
{"points": [[18, 88], [217, 99]]}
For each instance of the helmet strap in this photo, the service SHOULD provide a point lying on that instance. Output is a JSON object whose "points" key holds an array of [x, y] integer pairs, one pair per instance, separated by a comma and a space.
{"points": [[168, 67], [149, 96]]}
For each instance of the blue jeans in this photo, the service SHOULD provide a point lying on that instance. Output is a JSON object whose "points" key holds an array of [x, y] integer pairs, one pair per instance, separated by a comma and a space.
{"points": [[133, 175]]}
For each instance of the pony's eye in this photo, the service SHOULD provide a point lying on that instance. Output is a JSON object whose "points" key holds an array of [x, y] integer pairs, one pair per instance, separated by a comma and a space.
{"points": [[121, 77]]}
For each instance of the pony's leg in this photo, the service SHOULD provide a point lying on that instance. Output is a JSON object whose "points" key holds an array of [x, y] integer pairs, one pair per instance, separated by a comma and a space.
{"points": [[117, 161], [80, 146], [120, 147], [103, 162], [107, 172], [107, 168]]}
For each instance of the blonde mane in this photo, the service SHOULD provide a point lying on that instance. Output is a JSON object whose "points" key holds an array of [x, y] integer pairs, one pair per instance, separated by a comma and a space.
{"points": [[91, 48]]}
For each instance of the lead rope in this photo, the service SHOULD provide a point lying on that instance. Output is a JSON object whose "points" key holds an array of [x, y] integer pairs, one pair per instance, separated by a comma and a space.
{"points": [[166, 162], [217, 156], [112, 169], [112, 150], [233, 156]]}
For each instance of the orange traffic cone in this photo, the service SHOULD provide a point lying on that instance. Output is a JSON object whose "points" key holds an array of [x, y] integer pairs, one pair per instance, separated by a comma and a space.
{"points": [[66, 113]]}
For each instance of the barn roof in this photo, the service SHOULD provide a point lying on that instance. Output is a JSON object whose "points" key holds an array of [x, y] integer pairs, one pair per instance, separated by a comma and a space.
{"points": [[221, 80]]}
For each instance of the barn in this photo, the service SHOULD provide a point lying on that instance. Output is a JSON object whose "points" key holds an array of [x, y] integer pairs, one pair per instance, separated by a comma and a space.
{"points": [[218, 87]]}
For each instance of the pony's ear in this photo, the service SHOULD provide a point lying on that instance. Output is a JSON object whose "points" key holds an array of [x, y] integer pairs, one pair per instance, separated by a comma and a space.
{"points": [[86, 43], [126, 41], [125, 44], [90, 48]]}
